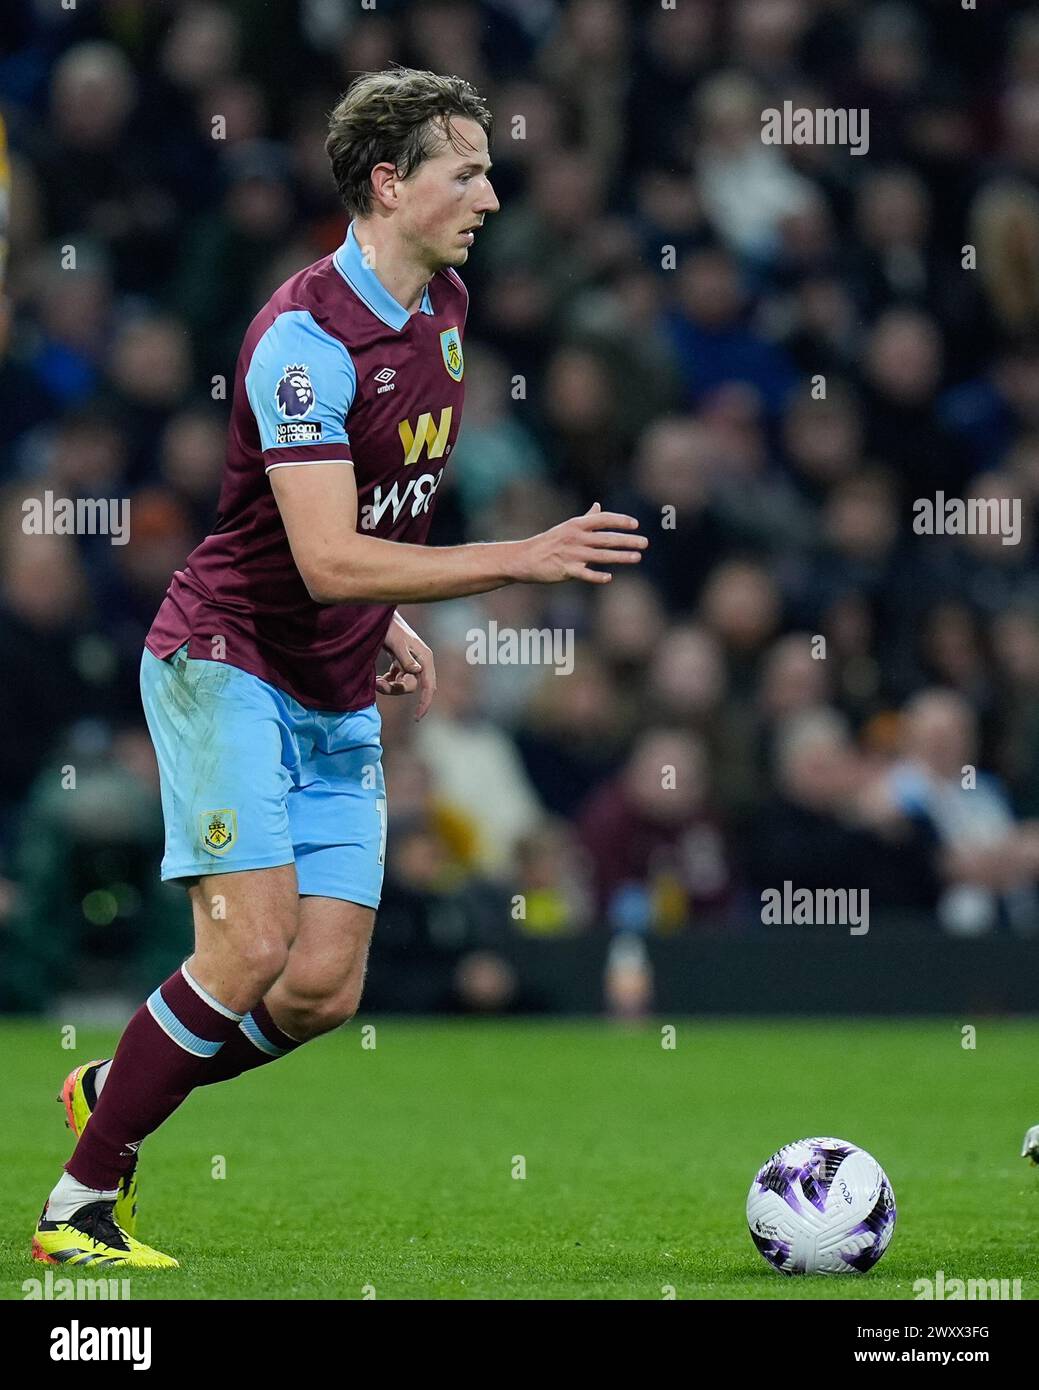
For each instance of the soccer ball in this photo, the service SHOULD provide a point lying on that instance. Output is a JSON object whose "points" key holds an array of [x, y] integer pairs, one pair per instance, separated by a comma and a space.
{"points": [[821, 1206]]}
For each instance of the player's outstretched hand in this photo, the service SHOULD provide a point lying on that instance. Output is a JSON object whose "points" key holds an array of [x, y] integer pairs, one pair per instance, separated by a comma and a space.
{"points": [[570, 549]]}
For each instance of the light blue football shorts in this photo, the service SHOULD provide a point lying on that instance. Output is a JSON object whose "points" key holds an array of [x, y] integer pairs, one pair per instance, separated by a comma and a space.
{"points": [[251, 779]]}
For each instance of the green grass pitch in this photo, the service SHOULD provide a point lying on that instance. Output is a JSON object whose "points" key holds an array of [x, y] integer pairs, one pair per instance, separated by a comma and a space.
{"points": [[391, 1169]]}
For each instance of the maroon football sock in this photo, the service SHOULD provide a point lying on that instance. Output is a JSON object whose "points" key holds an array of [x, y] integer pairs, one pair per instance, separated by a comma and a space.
{"points": [[257, 1041], [166, 1050]]}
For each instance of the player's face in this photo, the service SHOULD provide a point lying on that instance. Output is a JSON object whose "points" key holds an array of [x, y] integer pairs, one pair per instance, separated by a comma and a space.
{"points": [[448, 197]]}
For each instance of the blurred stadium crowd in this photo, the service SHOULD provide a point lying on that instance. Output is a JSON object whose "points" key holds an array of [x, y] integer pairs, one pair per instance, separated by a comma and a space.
{"points": [[647, 313]]}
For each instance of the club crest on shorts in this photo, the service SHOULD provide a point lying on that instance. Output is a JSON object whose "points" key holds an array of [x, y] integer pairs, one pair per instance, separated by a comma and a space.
{"points": [[219, 831], [451, 347]]}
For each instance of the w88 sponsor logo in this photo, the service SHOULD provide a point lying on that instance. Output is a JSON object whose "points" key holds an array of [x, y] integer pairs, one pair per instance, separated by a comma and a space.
{"points": [[417, 495]]}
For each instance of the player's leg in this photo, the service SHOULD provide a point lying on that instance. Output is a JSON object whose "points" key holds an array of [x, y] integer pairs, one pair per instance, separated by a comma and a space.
{"points": [[323, 980], [244, 926], [227, 761], [337, 817], [79, 1094], [337, 812], [319, 989]]}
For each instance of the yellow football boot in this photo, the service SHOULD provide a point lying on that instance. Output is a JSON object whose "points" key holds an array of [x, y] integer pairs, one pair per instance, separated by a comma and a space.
{"points": [[92, 1236], [79, 1098]]}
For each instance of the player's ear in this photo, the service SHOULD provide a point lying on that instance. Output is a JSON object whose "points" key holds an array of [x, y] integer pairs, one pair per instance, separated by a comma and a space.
{"points": [[385, 184]]}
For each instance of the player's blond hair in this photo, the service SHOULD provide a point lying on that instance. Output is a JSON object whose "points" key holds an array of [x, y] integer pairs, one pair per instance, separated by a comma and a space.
{"points": [[400, 116]]}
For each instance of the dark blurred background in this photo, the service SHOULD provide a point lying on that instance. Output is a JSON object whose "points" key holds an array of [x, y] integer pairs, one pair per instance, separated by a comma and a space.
{"points": [[648, 311]]}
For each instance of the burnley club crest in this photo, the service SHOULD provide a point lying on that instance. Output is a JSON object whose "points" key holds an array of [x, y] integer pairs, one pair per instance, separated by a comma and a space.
{"points": [[451, 347], [219, 830]]}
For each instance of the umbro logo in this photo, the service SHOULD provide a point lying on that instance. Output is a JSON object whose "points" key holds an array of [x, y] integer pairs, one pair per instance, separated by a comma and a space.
{"points": [[386, 378]]}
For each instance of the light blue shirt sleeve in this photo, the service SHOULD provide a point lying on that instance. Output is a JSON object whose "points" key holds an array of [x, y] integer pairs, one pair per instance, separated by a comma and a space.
{"points": [[301, 384]]}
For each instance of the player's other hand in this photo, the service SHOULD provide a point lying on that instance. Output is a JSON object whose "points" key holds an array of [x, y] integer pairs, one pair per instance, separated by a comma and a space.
{"points": [[411, 666], [570, 549]]}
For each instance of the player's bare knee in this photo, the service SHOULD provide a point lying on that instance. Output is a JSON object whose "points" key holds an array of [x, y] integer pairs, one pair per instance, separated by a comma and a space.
{"points": [[305, 1017], [330, 1016], [346, 1009], [262, 962]]}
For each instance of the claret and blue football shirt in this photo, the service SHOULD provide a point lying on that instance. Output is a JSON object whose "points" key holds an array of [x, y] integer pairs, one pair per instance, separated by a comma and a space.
{"points": [[332, 370]]}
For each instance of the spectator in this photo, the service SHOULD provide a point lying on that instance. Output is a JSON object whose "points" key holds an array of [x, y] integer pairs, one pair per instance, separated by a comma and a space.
{"points": [[982, 858], [814, 832], [658, 852], [475, 767]]}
